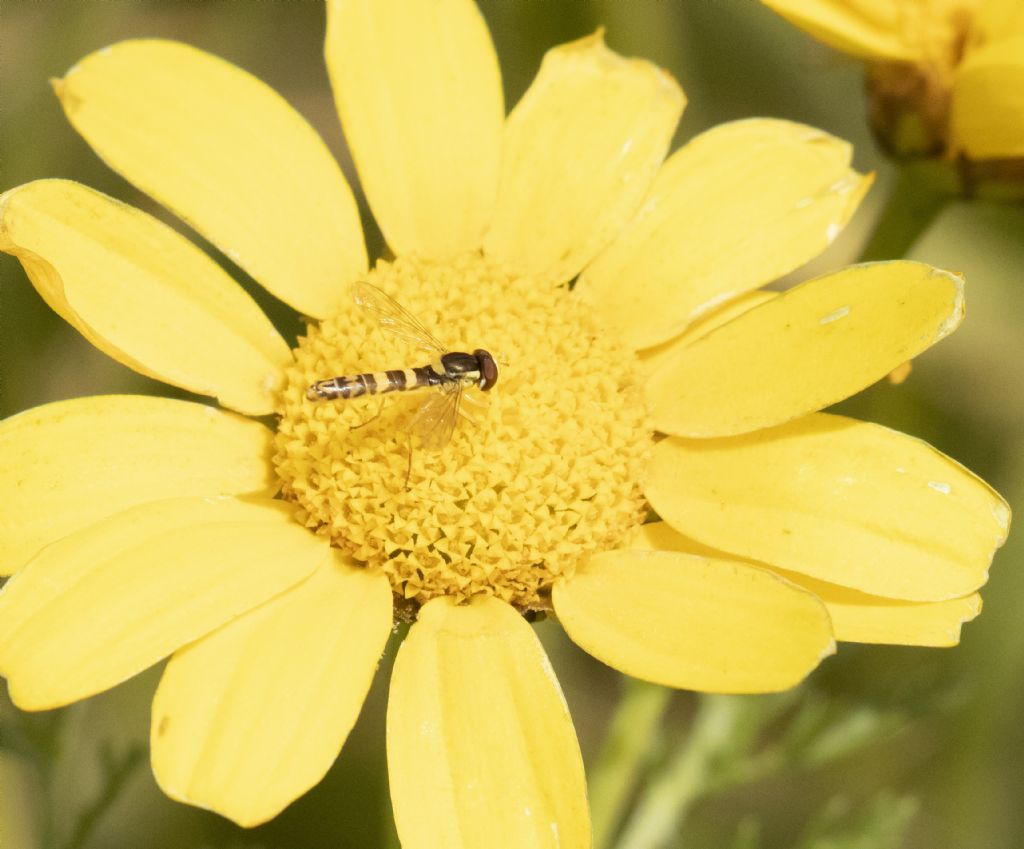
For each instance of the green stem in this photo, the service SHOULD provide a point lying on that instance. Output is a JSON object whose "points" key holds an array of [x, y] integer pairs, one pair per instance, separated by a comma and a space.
{"points": [[665, 804], [626, 751], [40, 743], [116, 772], [917, 196]]}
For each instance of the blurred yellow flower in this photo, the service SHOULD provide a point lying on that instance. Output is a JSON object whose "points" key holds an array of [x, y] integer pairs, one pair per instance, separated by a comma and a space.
{"points": [[945, 76], [271, 566]]}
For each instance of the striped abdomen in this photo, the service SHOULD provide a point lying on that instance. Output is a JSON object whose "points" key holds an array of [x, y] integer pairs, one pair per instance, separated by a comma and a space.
{"points": [[374, 383]]}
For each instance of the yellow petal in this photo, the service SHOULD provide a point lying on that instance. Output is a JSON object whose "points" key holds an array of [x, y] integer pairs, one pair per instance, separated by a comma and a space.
{"points": [[870, 29], [861, 618], [856, 617], [418, 88], [900, 373], [661, 536], [987, 111], [997, 19], [816, 344], [104, 603], [481, 748], [694, 622], [142, 293], [844, 501], [736, 208], [653, 358], [250, 717], [68, 464], [581, 150], [227, 154]]}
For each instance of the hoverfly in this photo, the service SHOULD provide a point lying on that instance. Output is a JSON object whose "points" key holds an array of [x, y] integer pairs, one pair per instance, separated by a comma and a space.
{"points": [[450, 374]]}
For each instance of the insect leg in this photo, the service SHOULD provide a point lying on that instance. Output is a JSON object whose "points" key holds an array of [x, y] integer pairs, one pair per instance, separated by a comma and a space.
{"points": [[380, 409], [476, 400], [408, 468]]}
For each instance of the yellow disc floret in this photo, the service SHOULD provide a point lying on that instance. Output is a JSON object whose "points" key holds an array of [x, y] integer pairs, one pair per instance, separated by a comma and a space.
{"points": [[541, 471]]}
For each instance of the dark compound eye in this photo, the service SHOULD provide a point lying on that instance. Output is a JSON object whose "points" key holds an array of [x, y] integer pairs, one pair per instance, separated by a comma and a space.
{"points": [[488, 369]]}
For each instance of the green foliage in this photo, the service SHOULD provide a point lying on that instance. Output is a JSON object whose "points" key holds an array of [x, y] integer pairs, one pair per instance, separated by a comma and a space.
{"points": [[882, 823]]}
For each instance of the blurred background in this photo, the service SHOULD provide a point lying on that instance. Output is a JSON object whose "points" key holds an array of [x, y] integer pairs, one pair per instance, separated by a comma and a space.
{"points": [[932, 746]]}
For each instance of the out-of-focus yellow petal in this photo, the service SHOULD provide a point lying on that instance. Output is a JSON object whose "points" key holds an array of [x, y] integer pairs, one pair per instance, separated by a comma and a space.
{"points": [[418, 89], [581, 150], [987, 110], [481, 749], [227, 154], [997, 19], [142, 293], [739, 206], [810, 347], [856, 617], [251, 716], [861, 618], [104, 603], [869, 29], [847, 502], [69, 464], [694, 622], [900, 373], [653, 358]]}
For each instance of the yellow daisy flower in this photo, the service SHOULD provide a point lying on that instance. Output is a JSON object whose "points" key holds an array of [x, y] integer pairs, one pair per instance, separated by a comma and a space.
{"points": [[270, 565], [945, 76]]}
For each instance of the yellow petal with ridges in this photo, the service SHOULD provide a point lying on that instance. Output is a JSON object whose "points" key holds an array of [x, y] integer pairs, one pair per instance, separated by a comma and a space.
{"points": [[71, 463], [738, 207], [847, 502], [108, 601], [987, 108], [861, 618], [812, 346], [250, 717], [418, 88], [869, 29], [653, 358], [229, 156], [694, 622], [856, 617], [142, 293], [661, 536], [581, 150], [481, 749]]}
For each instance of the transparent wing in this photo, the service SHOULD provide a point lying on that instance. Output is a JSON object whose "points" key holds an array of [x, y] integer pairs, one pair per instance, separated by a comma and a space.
{"points": [[394, 318], [434, 423]]}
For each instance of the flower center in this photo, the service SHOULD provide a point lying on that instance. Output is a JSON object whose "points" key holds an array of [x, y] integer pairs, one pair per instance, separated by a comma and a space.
{"points": [[909, 102], [540, 471]]}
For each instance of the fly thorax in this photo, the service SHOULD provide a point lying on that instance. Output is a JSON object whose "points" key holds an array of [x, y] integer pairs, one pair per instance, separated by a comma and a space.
{"points": [[540, 471], [459, 365]]}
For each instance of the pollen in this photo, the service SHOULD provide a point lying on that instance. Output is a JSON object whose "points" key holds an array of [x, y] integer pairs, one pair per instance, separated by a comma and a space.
{"points": [[542, 471]]}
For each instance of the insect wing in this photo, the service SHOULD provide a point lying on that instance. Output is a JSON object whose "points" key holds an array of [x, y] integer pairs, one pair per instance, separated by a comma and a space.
{"points": [[394, 318], [434, 423]]}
